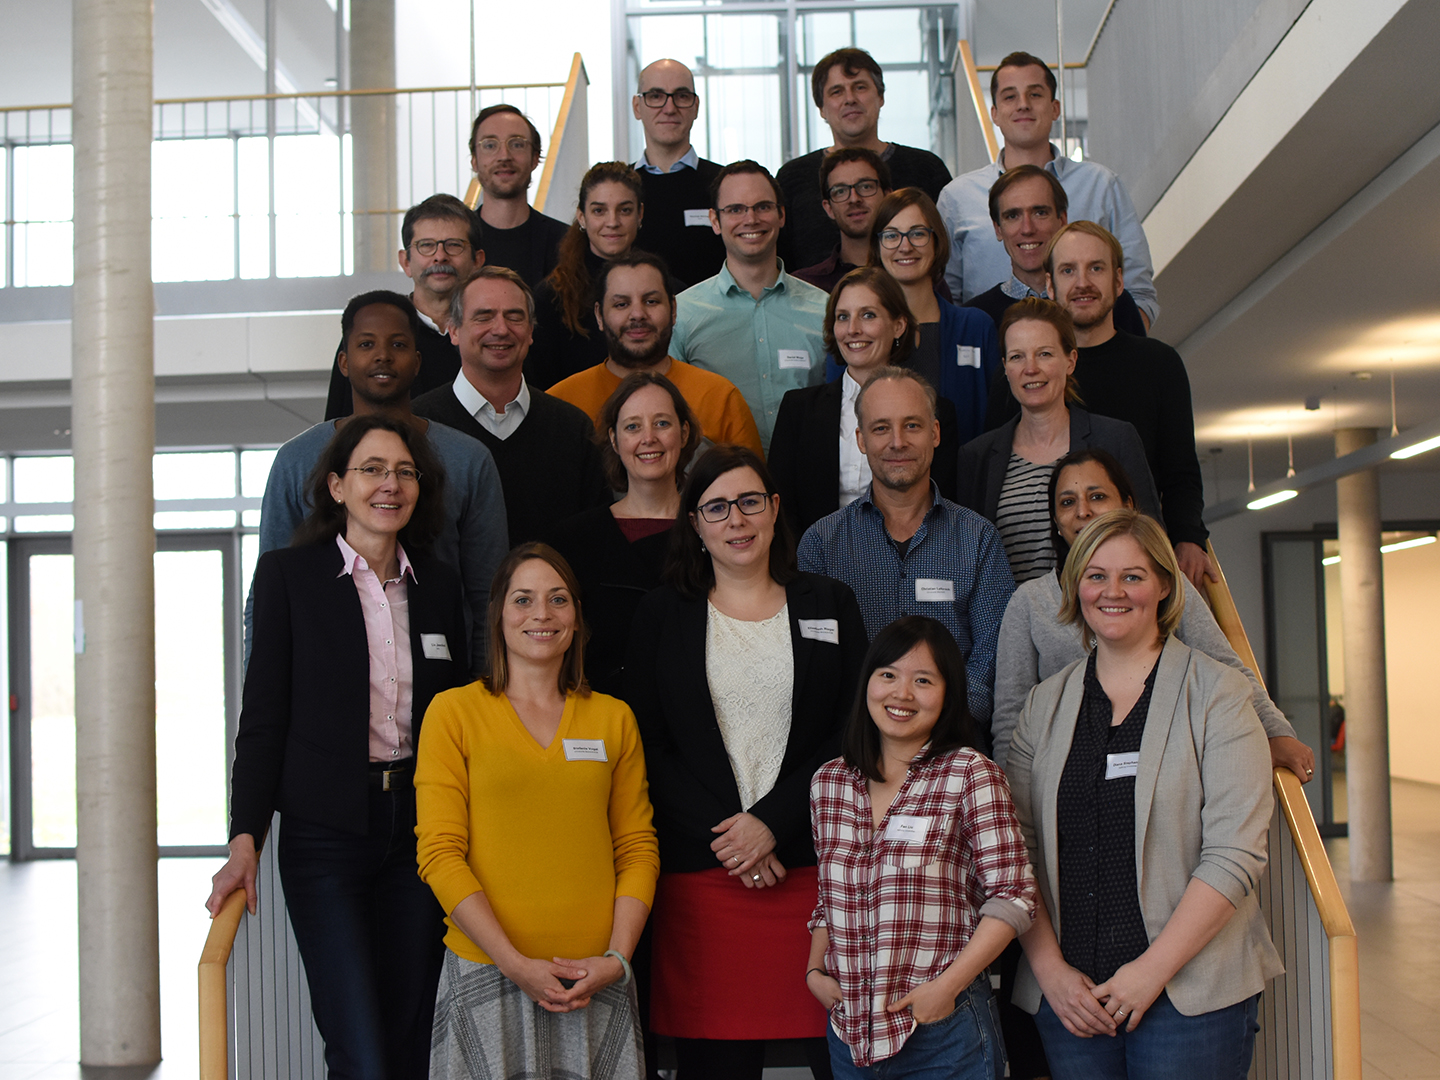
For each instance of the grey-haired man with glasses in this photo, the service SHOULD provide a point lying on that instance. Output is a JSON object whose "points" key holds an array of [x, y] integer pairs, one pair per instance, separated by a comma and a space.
{"points": [[853, 180], [753, 323], [677, 179], [504, 153]]}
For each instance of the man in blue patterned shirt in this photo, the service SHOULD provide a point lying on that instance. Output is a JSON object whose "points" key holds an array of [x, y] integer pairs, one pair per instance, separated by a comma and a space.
{"points": [[903, 549]]}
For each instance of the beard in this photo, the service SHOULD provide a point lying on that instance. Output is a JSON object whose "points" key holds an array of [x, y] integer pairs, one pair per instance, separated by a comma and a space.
{"points": [[635, 358]]}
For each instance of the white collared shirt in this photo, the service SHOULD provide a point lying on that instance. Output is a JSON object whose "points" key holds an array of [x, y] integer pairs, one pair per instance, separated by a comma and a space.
{"points": [[428, 321], [501, 425], [854, 467]]}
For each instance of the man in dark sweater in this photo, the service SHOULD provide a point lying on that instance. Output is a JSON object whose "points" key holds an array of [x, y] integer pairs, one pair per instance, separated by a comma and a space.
{"points": [[849, 90], [504, 152], [1139, 380], [853, 180], [442, 248], [543, 447], [677, 180]]}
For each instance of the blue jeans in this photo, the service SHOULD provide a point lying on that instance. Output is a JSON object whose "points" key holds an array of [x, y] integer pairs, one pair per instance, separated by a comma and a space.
{"points": [[1212, 1046], [965, 1045]]}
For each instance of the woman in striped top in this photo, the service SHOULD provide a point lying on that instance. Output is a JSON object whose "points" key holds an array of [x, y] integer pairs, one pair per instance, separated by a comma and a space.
{"points": [[1004, 473]]}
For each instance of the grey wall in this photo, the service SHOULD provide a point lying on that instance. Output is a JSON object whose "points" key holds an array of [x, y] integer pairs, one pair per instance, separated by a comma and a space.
{"points": [[1192, 58]]}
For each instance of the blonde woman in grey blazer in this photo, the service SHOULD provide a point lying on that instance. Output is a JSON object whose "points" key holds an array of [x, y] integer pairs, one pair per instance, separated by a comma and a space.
{"points": [[1141, 777]]}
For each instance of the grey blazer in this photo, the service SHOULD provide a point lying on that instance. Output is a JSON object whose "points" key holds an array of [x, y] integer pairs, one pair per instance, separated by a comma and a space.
{"points": [[1202, 809], [980, 470]]}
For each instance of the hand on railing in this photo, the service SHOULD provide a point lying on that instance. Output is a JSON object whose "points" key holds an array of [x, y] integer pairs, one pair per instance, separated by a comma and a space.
{"points": [[1292, 754], [1195, 564], [238, 872]]}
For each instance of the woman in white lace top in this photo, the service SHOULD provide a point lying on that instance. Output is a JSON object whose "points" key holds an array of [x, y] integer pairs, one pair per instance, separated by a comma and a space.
{"points": [[740, 670]]}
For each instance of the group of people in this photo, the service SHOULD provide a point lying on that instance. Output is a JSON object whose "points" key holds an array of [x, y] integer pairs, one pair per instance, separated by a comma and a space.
{"points": [[701, 581]]}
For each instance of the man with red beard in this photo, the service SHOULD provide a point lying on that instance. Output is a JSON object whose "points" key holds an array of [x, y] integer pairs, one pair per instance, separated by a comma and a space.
{"points": [[442, 247], [636, 313], [1139, 380]]}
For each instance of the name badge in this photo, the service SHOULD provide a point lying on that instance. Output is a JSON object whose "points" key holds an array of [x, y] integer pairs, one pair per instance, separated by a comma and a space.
{"points": [[697, 217], [967, 356], [821, 630], [934, 591], [907, 829], [585, 750], [1120, 765], [794, 360], [434, 646]]}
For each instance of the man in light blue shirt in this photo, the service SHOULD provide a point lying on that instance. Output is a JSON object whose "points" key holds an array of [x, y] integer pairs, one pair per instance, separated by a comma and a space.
{"points": [[1024, 106], [752, 323]]}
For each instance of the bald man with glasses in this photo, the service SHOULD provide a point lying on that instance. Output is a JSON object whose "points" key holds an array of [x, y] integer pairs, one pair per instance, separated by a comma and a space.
{"points": [[677, 179]]}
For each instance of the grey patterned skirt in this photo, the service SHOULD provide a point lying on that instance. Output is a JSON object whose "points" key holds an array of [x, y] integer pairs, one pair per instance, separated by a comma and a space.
{"points": [[486, 1028]]}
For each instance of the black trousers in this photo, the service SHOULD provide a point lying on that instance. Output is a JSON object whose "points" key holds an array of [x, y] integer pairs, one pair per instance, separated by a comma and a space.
{"points": [[371, 934]]}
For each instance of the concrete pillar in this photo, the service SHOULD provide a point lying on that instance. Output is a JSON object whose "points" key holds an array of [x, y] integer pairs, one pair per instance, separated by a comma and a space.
{"points": [[113, 419], [1367, 736], [373, 132]]}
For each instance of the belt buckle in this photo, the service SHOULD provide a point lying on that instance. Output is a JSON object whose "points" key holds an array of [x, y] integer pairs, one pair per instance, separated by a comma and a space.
{"points": [[385, 778]]}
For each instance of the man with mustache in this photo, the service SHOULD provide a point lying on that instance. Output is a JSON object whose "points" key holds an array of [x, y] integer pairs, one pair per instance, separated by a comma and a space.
{"points": [[1136, 379], [636, 313], [442, 247]]}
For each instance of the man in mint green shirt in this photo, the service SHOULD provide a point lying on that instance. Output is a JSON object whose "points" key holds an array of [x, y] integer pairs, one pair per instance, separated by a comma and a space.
{"points": [[752, 322]]}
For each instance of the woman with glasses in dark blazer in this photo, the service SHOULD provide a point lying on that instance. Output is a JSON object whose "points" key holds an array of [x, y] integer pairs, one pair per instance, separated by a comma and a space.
{"points": [[740, 671], [356, 629]]}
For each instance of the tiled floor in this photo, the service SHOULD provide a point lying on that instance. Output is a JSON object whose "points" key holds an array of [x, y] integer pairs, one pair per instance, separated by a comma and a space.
{"points": [[1398, 924]]}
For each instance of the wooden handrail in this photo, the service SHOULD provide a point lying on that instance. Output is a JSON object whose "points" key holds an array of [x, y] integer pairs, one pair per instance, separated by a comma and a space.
{"points": [[214, 1006], [977, 98], [1319, 874], [577, 72]]}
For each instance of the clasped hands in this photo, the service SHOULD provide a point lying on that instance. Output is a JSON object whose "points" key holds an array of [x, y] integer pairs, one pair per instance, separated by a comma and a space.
{"points": [[1087, 1010], [540, 979], [746, 848]]}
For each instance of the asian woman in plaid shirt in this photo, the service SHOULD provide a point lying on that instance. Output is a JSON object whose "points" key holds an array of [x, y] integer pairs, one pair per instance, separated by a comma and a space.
{"points": [[924, 877]]}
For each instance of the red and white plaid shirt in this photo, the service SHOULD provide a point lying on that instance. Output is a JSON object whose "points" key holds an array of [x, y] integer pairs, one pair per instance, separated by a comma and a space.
{"points": [[900, 901]]}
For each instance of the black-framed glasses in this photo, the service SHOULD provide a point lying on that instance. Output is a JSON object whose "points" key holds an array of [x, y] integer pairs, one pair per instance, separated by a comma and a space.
{"points": [[516, 144], [762, 209], [656, 98], [918, 236], [453, 246], [750, 503], [406, 474], [863, 188]]}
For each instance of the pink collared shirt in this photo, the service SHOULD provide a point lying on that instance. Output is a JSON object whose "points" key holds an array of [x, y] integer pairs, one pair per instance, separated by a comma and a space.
{"points": [[386, 607]]}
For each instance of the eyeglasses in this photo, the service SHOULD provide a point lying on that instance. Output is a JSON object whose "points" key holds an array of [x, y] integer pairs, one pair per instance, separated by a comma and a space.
{"points": [[762, 209], [453, 246], [406, 474], [918, 237], [516, 144], [750, 504], [863, 188], [656, 98]]}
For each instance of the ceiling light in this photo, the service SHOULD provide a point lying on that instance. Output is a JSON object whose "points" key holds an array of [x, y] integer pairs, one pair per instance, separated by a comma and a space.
{"points": [[1271, 500], [1330, 560], [1418, 448], [1419, 541]]}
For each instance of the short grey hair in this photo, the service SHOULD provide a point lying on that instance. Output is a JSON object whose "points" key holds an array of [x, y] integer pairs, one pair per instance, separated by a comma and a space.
{"points": [[494, 273], [890, 373]]}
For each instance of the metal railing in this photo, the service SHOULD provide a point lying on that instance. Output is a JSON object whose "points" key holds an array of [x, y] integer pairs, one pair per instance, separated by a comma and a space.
{"points": [[1310, 1015], [253, 187]]}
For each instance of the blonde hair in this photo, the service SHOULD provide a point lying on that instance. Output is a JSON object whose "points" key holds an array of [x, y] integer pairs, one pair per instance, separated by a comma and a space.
{"points": [[1149, 534]]}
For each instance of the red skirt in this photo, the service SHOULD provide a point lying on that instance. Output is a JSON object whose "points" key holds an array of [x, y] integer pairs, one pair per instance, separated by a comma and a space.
{"points": [[729, 962]]}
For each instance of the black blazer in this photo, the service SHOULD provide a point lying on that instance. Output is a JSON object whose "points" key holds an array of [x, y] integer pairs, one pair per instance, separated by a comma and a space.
{"points": [[691, 784], [614, 577], [303, 747], [980, 469], [804, 454]]}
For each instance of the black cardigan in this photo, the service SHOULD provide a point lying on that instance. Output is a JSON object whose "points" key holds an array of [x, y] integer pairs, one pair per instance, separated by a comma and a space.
{"points": [[805, 453], [692, 786], [614, 576], [303, 745]]}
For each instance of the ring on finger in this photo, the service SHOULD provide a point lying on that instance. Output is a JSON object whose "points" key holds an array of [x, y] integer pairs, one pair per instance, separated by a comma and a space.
{"points": [[754, 877]]}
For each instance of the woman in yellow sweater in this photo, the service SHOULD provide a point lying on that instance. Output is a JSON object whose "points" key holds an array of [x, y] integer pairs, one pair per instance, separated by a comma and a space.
{"points": [[535, 834]]}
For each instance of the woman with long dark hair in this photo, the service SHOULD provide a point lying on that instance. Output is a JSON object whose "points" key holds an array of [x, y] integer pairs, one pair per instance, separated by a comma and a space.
{"points": [[355, 630], [607, 220], [923, 873], [740, 669]]}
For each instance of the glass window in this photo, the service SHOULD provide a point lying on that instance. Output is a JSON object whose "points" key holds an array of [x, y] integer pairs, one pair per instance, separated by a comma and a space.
{"points": [[44, 205], [308, 220], [254, 471], [52, 700], [44, 523], [195, 519], [195, 476], [4, 696], [192, 224], [44, 479]]}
